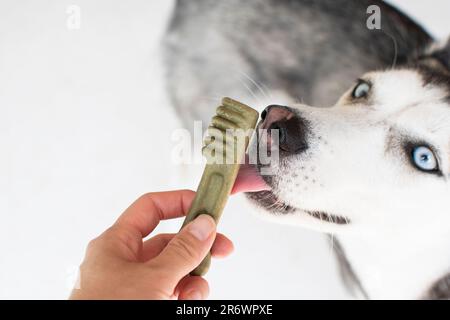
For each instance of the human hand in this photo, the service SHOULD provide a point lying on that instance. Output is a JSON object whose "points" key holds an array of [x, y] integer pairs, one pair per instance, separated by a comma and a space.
{"points": [[120, 264]]}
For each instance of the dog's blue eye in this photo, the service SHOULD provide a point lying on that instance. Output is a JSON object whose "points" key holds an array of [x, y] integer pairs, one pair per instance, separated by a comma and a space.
{"points": [[361, 90], [424, 158]]}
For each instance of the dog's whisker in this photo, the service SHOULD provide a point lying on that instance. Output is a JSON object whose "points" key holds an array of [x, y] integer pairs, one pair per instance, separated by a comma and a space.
{"points": [[277, 204], [394, 41], [268, 91], [255, 97], [255, 83]]}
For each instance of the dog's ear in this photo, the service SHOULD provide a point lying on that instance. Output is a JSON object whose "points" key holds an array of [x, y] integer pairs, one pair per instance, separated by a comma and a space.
{"points": [[437, 56], [442, 53]]}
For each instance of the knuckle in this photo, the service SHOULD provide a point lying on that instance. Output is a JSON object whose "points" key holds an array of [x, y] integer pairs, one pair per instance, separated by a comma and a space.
{"points": [[92, 244], [111, 233], [146, 197], [105, 237], [185, 249], [161, 238]]}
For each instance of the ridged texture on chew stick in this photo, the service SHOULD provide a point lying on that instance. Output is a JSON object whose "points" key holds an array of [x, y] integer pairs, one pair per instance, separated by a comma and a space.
{"points": [[224, 150]]}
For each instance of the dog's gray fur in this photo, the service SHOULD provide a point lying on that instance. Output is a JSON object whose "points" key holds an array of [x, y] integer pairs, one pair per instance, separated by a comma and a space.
{"points": [[308, 50]]}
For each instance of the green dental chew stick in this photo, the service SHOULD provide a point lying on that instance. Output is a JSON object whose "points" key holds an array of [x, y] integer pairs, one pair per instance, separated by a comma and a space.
{"points": [[224, 150]]}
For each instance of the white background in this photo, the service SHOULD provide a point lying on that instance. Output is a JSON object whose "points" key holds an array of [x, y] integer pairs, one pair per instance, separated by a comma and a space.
{"points": [[85, 128]]}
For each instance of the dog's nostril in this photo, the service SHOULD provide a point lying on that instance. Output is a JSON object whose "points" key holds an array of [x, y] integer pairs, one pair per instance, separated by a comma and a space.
{"points": [[281, 132], [264, 114], [276, 111], [291, 128]]}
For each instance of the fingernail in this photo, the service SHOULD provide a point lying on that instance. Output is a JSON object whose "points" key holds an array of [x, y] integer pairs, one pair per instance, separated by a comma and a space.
{"points": [[194, 295], [202, 227]]}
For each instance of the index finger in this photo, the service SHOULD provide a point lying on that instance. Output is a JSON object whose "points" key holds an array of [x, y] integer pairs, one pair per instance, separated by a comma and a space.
{"points": [[146, 212]]}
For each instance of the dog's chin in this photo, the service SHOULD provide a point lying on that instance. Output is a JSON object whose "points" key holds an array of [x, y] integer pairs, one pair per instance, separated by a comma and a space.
{"points": [[258, 190]]}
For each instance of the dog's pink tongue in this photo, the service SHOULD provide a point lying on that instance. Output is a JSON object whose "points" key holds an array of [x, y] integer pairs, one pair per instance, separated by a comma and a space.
{"points": [[249, 180]]}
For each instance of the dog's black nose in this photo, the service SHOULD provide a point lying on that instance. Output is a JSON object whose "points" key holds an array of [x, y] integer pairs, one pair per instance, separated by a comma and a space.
{"points": [[292, 128]]}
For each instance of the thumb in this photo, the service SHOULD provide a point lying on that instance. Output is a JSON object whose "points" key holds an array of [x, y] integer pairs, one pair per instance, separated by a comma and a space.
{"points": [[187, 249]]}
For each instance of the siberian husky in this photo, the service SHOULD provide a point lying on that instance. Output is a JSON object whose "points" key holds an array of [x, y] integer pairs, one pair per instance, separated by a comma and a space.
{"points": [[374, 168]]}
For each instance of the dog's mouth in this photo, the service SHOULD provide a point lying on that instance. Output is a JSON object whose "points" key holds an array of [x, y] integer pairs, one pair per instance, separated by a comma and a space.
{"points": [[330, 218], [258, 189]]}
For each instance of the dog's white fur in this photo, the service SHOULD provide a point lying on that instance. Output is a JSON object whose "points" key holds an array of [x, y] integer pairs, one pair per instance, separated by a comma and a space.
{"points": [[398, 238]]}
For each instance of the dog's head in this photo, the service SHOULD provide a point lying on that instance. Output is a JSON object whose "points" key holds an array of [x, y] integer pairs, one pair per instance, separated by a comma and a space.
{"points": [[378, 160]]}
